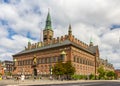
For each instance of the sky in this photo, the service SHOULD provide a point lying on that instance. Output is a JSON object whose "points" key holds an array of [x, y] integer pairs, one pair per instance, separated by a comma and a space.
{"points": [[24, 20]]}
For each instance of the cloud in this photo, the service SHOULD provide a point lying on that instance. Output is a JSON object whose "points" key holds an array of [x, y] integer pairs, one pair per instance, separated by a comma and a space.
{"points": [[24, 19], [3, 32]]}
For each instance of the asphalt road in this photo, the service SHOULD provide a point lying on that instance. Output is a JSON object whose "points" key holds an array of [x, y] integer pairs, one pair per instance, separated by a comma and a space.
{"points": [[104, 83]]}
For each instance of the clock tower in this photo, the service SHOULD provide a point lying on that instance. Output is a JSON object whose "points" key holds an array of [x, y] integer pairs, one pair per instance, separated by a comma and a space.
{"points": [[48, 32]]}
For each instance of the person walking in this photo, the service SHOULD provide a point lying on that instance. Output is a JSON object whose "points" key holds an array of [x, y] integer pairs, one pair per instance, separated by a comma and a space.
{"points": [[22, 77]]}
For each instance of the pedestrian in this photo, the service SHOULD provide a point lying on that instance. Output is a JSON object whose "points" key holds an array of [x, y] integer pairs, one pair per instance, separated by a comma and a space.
{"points": [[22, 77]]}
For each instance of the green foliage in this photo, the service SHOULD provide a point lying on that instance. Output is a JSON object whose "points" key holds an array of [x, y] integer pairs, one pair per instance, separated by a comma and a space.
{"points": [[91, 77], [110, 74], [63, 69], [58, 69], [8, 73], [69, 69], [78, 77], [101, 72]]}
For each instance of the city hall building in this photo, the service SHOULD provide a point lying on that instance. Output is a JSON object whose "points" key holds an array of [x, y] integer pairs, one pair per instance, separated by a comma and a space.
{"points": [[42, 56]]}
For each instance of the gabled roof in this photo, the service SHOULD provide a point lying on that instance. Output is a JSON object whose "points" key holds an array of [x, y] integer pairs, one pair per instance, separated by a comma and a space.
{"points": [[90, 50], [93, 48]]}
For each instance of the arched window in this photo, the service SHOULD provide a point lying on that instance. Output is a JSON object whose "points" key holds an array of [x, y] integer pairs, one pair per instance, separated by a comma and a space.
{"points": [[39, 61], [77, 60], [42, 60], [45, 60], [74, 58], [54, 59]]}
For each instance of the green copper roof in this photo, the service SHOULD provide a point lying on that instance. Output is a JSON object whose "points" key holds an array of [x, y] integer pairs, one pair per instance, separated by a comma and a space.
{"points": [[48, 22], [91, 40]]}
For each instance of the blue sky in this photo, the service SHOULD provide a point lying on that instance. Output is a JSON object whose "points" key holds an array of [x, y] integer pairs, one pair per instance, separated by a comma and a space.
{"points": [[24, 20]]}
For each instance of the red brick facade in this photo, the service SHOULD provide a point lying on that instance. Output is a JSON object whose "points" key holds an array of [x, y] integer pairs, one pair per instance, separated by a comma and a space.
{"points": [[85, 58]]}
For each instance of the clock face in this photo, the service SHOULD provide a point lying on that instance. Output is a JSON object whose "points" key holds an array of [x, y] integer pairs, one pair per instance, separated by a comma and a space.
{"points": [[45, 32], [48, 32]]}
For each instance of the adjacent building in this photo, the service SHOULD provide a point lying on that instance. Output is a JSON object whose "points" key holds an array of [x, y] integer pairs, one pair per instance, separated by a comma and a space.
{"points": [[107, 66], [6, 67], [1, 69], [117, 71], [42, 56]]}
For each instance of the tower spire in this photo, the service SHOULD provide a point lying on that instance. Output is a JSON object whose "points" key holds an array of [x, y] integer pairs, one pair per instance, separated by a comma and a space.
{"points": [[48, 21], [70, 30], [48, 32], [91, 42]]}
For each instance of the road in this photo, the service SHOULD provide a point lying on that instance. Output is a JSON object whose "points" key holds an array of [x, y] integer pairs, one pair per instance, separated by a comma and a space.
{"points": [[60, 83], [103, 83]]}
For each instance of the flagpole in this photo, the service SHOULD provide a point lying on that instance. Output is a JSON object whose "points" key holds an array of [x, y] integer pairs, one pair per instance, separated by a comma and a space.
{"points": [[40, 32]]}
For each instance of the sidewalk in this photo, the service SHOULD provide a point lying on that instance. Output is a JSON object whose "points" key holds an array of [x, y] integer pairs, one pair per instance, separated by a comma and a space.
{"points": [[43, 82]]}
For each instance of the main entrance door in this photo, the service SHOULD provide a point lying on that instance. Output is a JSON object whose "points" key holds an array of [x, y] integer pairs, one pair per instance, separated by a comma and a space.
{"points": [[35, 71]]}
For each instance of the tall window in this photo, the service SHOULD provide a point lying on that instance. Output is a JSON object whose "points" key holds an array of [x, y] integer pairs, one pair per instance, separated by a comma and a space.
{"points": [[54, 59], [86, 62], [25, 62], [74, 58], [45, 60], [40, 61], [21, 63], [77, 60], [49, 60], [28, 62], [31, 61], [80, 60], [83, 61], [37, 61], [18, 63]]}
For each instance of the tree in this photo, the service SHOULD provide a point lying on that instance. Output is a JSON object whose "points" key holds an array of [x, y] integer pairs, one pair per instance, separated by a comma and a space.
{"points": [[91, 77], [110, 74], [58, 69], [69, 69], [101, 72], [65, 69]]}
